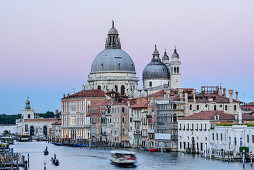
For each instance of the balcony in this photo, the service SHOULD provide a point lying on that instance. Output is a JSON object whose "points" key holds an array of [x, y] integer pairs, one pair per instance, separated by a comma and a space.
{"points": [[136, 119], [150, 131], [137, 132]]}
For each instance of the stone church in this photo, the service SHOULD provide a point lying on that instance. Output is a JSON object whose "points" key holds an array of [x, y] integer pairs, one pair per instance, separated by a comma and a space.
{"points": [[113, 69]]}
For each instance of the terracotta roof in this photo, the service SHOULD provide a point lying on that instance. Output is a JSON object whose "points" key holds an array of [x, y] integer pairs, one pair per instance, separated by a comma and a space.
{"points": [[87, 93], [209, 115], [159, 93], [40, 120], [140, 105], [248, 117], [103, 103]]}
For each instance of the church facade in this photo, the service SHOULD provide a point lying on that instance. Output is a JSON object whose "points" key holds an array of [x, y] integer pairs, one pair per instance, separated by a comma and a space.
{"points": [[113, 69]]}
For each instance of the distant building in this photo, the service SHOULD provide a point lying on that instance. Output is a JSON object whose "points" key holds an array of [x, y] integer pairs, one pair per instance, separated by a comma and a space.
{"points": [[31, 125]]}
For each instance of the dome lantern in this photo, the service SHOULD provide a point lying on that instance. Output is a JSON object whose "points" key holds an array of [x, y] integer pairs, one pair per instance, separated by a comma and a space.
{"points": [[113, 41]]}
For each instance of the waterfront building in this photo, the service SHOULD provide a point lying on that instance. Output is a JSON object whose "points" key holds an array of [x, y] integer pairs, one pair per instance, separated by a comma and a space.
{"points": [[138, 126], [75, 121], [230, 137], [56, 128], [31, 125], [194, 130]]}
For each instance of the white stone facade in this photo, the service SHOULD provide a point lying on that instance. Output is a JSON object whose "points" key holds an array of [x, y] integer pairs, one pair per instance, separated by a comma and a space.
{"points": [[193, 135]]}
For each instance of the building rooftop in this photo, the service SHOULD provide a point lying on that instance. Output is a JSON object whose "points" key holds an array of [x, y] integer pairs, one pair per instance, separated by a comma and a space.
{"points": [[86, 93], [209, 115]]}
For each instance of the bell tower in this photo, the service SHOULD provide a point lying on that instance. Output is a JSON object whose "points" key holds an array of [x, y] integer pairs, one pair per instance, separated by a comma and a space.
{"points": [[175, 70], [27, 113]]}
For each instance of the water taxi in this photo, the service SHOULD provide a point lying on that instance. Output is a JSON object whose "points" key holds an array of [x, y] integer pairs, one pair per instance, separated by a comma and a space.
{"points": [[23, 138], [123, 157]]}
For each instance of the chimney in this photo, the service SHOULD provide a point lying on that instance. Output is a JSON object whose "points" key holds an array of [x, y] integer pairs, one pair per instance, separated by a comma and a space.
{"points": [[181, 94], [230, 95], [220, 90], [194, 96], [224, 92], [236, 95], [64, 96], [68, 95], [240, 116], [186, 97]]}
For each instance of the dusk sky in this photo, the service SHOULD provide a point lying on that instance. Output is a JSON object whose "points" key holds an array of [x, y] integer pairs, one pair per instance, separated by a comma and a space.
{"points": [[47, 47]]}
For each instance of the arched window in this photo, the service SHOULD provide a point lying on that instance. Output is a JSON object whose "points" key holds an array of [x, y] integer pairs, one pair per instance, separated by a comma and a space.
{"points": [[116, 88], [99, 87], [174, 69], [123, 119], [191, 107], [102, 66], [122, 89], [118, 66], [177, 69]]}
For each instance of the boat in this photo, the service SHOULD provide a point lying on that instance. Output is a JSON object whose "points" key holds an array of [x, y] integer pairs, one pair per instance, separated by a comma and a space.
{"points": [[46, 152], [54, 160], [78, 145], [7, 139], [151, 149], [143, 148], [123, 158], [23, 138], [59, 144]]}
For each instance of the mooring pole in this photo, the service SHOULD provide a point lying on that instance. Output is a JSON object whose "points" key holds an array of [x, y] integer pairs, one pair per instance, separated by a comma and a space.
{"points": [[250, 158], [243, 158], [45, 165], [161, 148]]}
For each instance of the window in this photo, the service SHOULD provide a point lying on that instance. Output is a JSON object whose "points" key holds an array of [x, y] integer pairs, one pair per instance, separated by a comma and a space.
{"points": [[150, 83], [123, 109], [177, 69], [235, 141], [205, 127], [201, 126], [217, 136], [28, 116], [191, 107], [123, 119], [226, 107], [220, 105], [214, 107], [184, 145], [131, 119], [197, 128], [201, 146], [252, 138], [122, 89], [213, 136], [174, 106], [116, 88], [180, 126], [197, 107], [234, 107], [99, 87], [180, 145], [248, 140], [221, 136]]}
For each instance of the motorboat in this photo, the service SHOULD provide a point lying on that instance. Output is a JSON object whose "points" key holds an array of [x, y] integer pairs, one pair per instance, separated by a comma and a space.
{"points": [[124, 158], [23, 138], [151, 149], [7, 139], [54, 160]]}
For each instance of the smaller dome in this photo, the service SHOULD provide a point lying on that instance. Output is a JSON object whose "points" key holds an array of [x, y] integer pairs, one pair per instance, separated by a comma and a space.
{"points": [[165, 56], [175, 56]]}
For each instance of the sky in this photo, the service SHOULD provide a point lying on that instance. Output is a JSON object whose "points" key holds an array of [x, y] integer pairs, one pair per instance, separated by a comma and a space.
{"points": [[47, 47]]}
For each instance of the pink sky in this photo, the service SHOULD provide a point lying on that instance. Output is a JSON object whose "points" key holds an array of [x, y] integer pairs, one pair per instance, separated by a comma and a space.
{"points": [[47, 47]]}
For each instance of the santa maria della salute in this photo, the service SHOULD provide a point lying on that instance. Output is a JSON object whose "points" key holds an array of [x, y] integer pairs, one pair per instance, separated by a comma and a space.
{"points": [[114, 70]]}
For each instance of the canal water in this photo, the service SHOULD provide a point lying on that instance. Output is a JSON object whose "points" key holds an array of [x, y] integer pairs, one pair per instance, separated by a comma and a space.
{"points": [[72, 158]]}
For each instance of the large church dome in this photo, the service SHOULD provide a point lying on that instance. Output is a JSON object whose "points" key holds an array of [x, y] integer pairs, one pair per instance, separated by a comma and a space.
{"points": [[156, 69], [113, 58]]}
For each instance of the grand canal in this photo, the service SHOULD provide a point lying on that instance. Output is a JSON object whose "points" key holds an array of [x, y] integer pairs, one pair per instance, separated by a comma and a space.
{"points": [[82, 158]]}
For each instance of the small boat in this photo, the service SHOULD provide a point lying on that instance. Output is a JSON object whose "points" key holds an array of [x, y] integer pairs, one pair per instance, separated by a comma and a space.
{"points": [[4, 147], [59, 144], [123, 158], [7, 139], [46, 152], [54, 160], [143, 148], [151, 149], [23, 138], [78, 145]]}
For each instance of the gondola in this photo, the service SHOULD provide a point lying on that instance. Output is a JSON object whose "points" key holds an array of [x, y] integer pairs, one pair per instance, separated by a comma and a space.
{"points": [[54, 160]]}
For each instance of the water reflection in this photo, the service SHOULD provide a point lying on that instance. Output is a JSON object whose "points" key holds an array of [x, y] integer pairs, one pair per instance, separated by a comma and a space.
{"points": [[81, 158]]}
